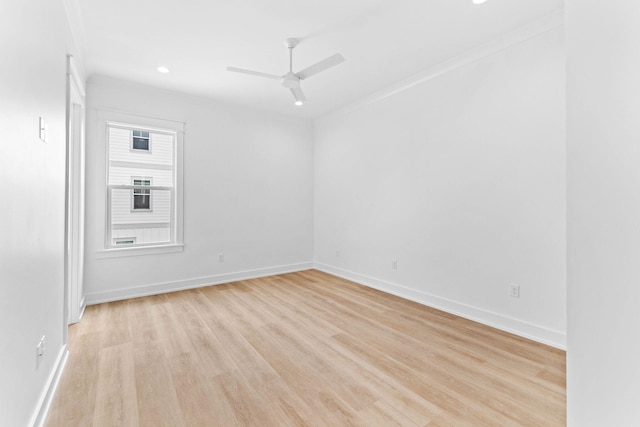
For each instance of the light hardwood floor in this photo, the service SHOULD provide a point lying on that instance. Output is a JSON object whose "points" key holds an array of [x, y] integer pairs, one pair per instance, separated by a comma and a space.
{"points": [[300, 349]]}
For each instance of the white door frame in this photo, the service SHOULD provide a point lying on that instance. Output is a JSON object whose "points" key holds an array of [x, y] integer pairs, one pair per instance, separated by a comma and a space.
{"points": [[75, 197]]}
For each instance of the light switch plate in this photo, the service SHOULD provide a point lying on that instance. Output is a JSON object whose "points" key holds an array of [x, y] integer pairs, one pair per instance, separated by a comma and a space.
{"points": [[514, 291], [43, 130]]}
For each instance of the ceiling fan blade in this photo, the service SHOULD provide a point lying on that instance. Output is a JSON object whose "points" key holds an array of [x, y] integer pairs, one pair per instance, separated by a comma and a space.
{"points": [[253, 73], [298, 94], [320, 66]]}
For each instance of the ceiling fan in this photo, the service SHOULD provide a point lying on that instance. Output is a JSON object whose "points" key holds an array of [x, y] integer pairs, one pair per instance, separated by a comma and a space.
{"points": [[292, 80]]}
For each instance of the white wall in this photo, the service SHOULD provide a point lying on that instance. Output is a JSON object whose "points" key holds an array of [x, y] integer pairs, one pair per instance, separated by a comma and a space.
{"points": [[462, 180], [603, 130], [248, 193], [35, 40]]}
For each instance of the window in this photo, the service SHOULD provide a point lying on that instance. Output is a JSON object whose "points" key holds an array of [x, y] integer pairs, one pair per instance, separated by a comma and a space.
{"points": [[124, 241], [141, 200], [143, 188], [140, 140]]}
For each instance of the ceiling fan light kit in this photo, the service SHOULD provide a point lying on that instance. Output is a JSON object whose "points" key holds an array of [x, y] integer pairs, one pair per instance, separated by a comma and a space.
{"points": [[292, 80]]}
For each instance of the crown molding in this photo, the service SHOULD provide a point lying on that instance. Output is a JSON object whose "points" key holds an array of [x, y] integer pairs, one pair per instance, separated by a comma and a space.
{"points": [[527, 32]]}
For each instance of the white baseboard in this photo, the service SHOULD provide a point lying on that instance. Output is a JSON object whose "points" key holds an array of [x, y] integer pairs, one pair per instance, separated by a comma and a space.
{"points": [[83, 305], [508, 324], [515, 326], [44, 403], [197, 282]]}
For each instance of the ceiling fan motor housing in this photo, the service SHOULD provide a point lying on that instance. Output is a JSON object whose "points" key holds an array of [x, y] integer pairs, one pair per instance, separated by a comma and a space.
{"points": [[290, 80], [291, 43]]}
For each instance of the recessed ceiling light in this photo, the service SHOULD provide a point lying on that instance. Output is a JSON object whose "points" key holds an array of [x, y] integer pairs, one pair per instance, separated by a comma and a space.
{"points": [[299, 103], [165, 70], [478, 1]]}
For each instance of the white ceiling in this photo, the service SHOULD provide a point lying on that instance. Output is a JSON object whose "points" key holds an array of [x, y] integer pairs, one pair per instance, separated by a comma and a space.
{"points": [[383, 41]]}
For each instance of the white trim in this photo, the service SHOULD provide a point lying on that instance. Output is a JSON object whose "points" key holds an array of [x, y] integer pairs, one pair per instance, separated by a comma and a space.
{"points": [[75, 192], [132, 186], [547, 23], [76, 77], [41, 411], [177, 213], [521, 328], [73, 13], [132, 126], [139, 250], [123, 117], [83, 305], [197, 282], [108, 118]]}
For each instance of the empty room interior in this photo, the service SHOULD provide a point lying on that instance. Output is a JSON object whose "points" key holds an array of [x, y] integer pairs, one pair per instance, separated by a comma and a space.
{"points": [[287, 213]]}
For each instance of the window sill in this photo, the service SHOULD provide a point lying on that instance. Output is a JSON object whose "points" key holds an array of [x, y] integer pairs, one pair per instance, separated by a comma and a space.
{"points": [[141, 250]]}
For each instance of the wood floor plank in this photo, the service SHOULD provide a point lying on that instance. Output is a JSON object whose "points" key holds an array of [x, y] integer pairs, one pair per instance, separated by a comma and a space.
{"points": [[200, 398], [381, 413], [506, 389], [300, 349], [116, 401], [158, 403], [76, 402]]}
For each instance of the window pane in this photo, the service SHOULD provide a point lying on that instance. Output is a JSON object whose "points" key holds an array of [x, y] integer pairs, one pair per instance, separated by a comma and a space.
{"points": [[141, 196], [124, 241], [141, 143], [142, 201], [145, 225], [139, 215]]}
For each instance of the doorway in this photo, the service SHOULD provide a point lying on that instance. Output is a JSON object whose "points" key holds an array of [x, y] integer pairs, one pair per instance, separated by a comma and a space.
{"points": [[74, 239]]}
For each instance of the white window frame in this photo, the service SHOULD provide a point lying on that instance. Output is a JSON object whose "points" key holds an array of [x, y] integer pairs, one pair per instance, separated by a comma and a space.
{"points": [[108, 118]]}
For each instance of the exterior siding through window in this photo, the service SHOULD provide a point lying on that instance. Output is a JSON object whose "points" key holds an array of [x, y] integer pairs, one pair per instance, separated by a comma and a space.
{"points": [[140, 216]]}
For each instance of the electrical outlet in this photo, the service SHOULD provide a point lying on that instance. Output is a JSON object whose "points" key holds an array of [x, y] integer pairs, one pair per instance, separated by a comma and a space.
{"points": [[338, 254], [40, 348], [221, 258], [514, 291], [394, 264]]}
